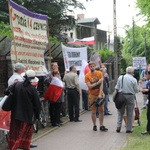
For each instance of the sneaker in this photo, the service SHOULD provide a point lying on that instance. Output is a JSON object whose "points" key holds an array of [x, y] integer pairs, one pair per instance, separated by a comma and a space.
{"points": [[103, 128], [94, 128]]}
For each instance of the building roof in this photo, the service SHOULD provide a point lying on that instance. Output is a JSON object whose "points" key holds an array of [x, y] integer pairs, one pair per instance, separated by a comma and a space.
{"points": [[89, 20]]}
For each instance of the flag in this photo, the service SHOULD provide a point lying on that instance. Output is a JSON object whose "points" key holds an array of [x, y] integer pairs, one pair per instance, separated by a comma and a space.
{"points": [[84, 70], [54, 90], [5, 120]]}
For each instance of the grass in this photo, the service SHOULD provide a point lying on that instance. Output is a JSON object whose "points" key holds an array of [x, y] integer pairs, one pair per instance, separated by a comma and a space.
{"points": [[137, 141]]}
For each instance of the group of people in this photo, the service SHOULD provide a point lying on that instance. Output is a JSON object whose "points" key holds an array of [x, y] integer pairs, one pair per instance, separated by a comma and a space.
{"points": [[25, 107], [26, 102]]}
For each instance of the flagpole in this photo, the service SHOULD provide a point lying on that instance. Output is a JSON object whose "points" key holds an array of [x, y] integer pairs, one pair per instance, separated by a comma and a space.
{"points": [[12, 33], [49, 64]]}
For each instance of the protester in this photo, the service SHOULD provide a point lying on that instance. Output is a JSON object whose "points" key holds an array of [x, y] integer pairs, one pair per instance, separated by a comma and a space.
{"points": [[18, 76], [55, 95], [142, 85], [19, 68], [26, 106], [147, 90], [94, 81], [105, 89], [72, 86], [128, 85]]}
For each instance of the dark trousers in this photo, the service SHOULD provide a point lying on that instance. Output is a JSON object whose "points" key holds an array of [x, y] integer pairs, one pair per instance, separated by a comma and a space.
{"points": [[85, 99], [73, 104], [54, 110], [148, 117]]}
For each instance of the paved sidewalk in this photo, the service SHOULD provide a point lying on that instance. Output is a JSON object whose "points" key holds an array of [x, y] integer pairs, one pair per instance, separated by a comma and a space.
{"points": [[80, 136]]}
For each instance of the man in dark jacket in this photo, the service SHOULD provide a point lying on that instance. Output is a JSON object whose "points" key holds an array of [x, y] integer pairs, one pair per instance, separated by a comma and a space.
{"points": [[147, 91]]}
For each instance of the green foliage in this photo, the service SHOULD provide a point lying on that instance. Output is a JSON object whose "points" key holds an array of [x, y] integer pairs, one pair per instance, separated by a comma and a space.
{"points": [[136, 45], [105, 54], [136, 141], [5, 29], [56, 10]]}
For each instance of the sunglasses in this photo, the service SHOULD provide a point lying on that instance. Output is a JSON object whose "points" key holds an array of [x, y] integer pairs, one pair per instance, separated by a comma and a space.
{"points": [[147, 72]]}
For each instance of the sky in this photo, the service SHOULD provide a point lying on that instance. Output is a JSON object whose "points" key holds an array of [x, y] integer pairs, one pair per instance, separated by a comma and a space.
{"points": [[103, 10]]}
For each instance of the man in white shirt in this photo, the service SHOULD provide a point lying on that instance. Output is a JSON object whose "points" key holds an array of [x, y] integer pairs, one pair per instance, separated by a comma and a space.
{"points": [[128, 87], [19, 68]]}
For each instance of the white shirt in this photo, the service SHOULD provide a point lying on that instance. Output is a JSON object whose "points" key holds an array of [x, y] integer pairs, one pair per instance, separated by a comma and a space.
{"points": [[15, 78], [129, 84]]}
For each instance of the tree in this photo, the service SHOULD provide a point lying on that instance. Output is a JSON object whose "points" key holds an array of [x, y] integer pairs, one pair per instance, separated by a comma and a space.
{"points": [[58, 12], [138, 46], [105, 54]]}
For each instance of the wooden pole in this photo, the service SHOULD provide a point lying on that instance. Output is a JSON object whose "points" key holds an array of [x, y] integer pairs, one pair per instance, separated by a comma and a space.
{"points": [[13, 33], [49, 50], [115, 43]]}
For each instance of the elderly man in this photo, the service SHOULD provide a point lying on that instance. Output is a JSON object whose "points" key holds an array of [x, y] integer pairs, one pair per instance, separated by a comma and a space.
{"points": [[16, 77], [128, 85]]}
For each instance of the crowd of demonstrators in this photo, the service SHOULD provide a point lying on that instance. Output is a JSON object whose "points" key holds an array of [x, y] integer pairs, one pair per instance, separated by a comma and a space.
{"points": [[129, 87], [94, 81], [26, 106], [142, 85], [73, 92]]}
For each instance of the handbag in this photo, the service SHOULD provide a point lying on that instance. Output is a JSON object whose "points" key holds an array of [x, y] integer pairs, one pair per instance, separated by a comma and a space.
{"points": [[7, 105], [99, 102], [119, 98], [2, 101]]}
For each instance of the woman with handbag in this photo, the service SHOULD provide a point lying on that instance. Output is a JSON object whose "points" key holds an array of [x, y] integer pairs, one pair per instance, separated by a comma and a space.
{"points": [[25, 107]]}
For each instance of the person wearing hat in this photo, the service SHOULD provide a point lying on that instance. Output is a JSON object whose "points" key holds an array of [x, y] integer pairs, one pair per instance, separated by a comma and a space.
{"points": [[26, 106], [19, 68]]}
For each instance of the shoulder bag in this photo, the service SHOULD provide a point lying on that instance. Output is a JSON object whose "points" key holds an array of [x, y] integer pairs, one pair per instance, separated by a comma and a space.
{"points": [[119, 98]]}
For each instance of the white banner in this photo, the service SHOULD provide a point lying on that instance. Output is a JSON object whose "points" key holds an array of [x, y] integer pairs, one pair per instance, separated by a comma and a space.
{"points": [[139, 62], [74, 56], [30, 37]]}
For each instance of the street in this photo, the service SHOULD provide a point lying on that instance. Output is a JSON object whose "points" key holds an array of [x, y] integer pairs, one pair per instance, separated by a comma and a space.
{"points": [[80, 136]]}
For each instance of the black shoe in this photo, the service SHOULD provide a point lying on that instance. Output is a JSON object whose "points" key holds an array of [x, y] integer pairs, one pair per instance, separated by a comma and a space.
{"points": [[77, 120], [94, 128], [55, 125], [33, 145], [129, 131], [118, 130], [145, 133], [108, 113], [103, 128]]}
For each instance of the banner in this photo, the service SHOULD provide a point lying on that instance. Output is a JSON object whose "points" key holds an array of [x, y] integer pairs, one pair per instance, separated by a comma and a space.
{"points": [[30, 38], [74, 56], [84, 70], [139, 62]]}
